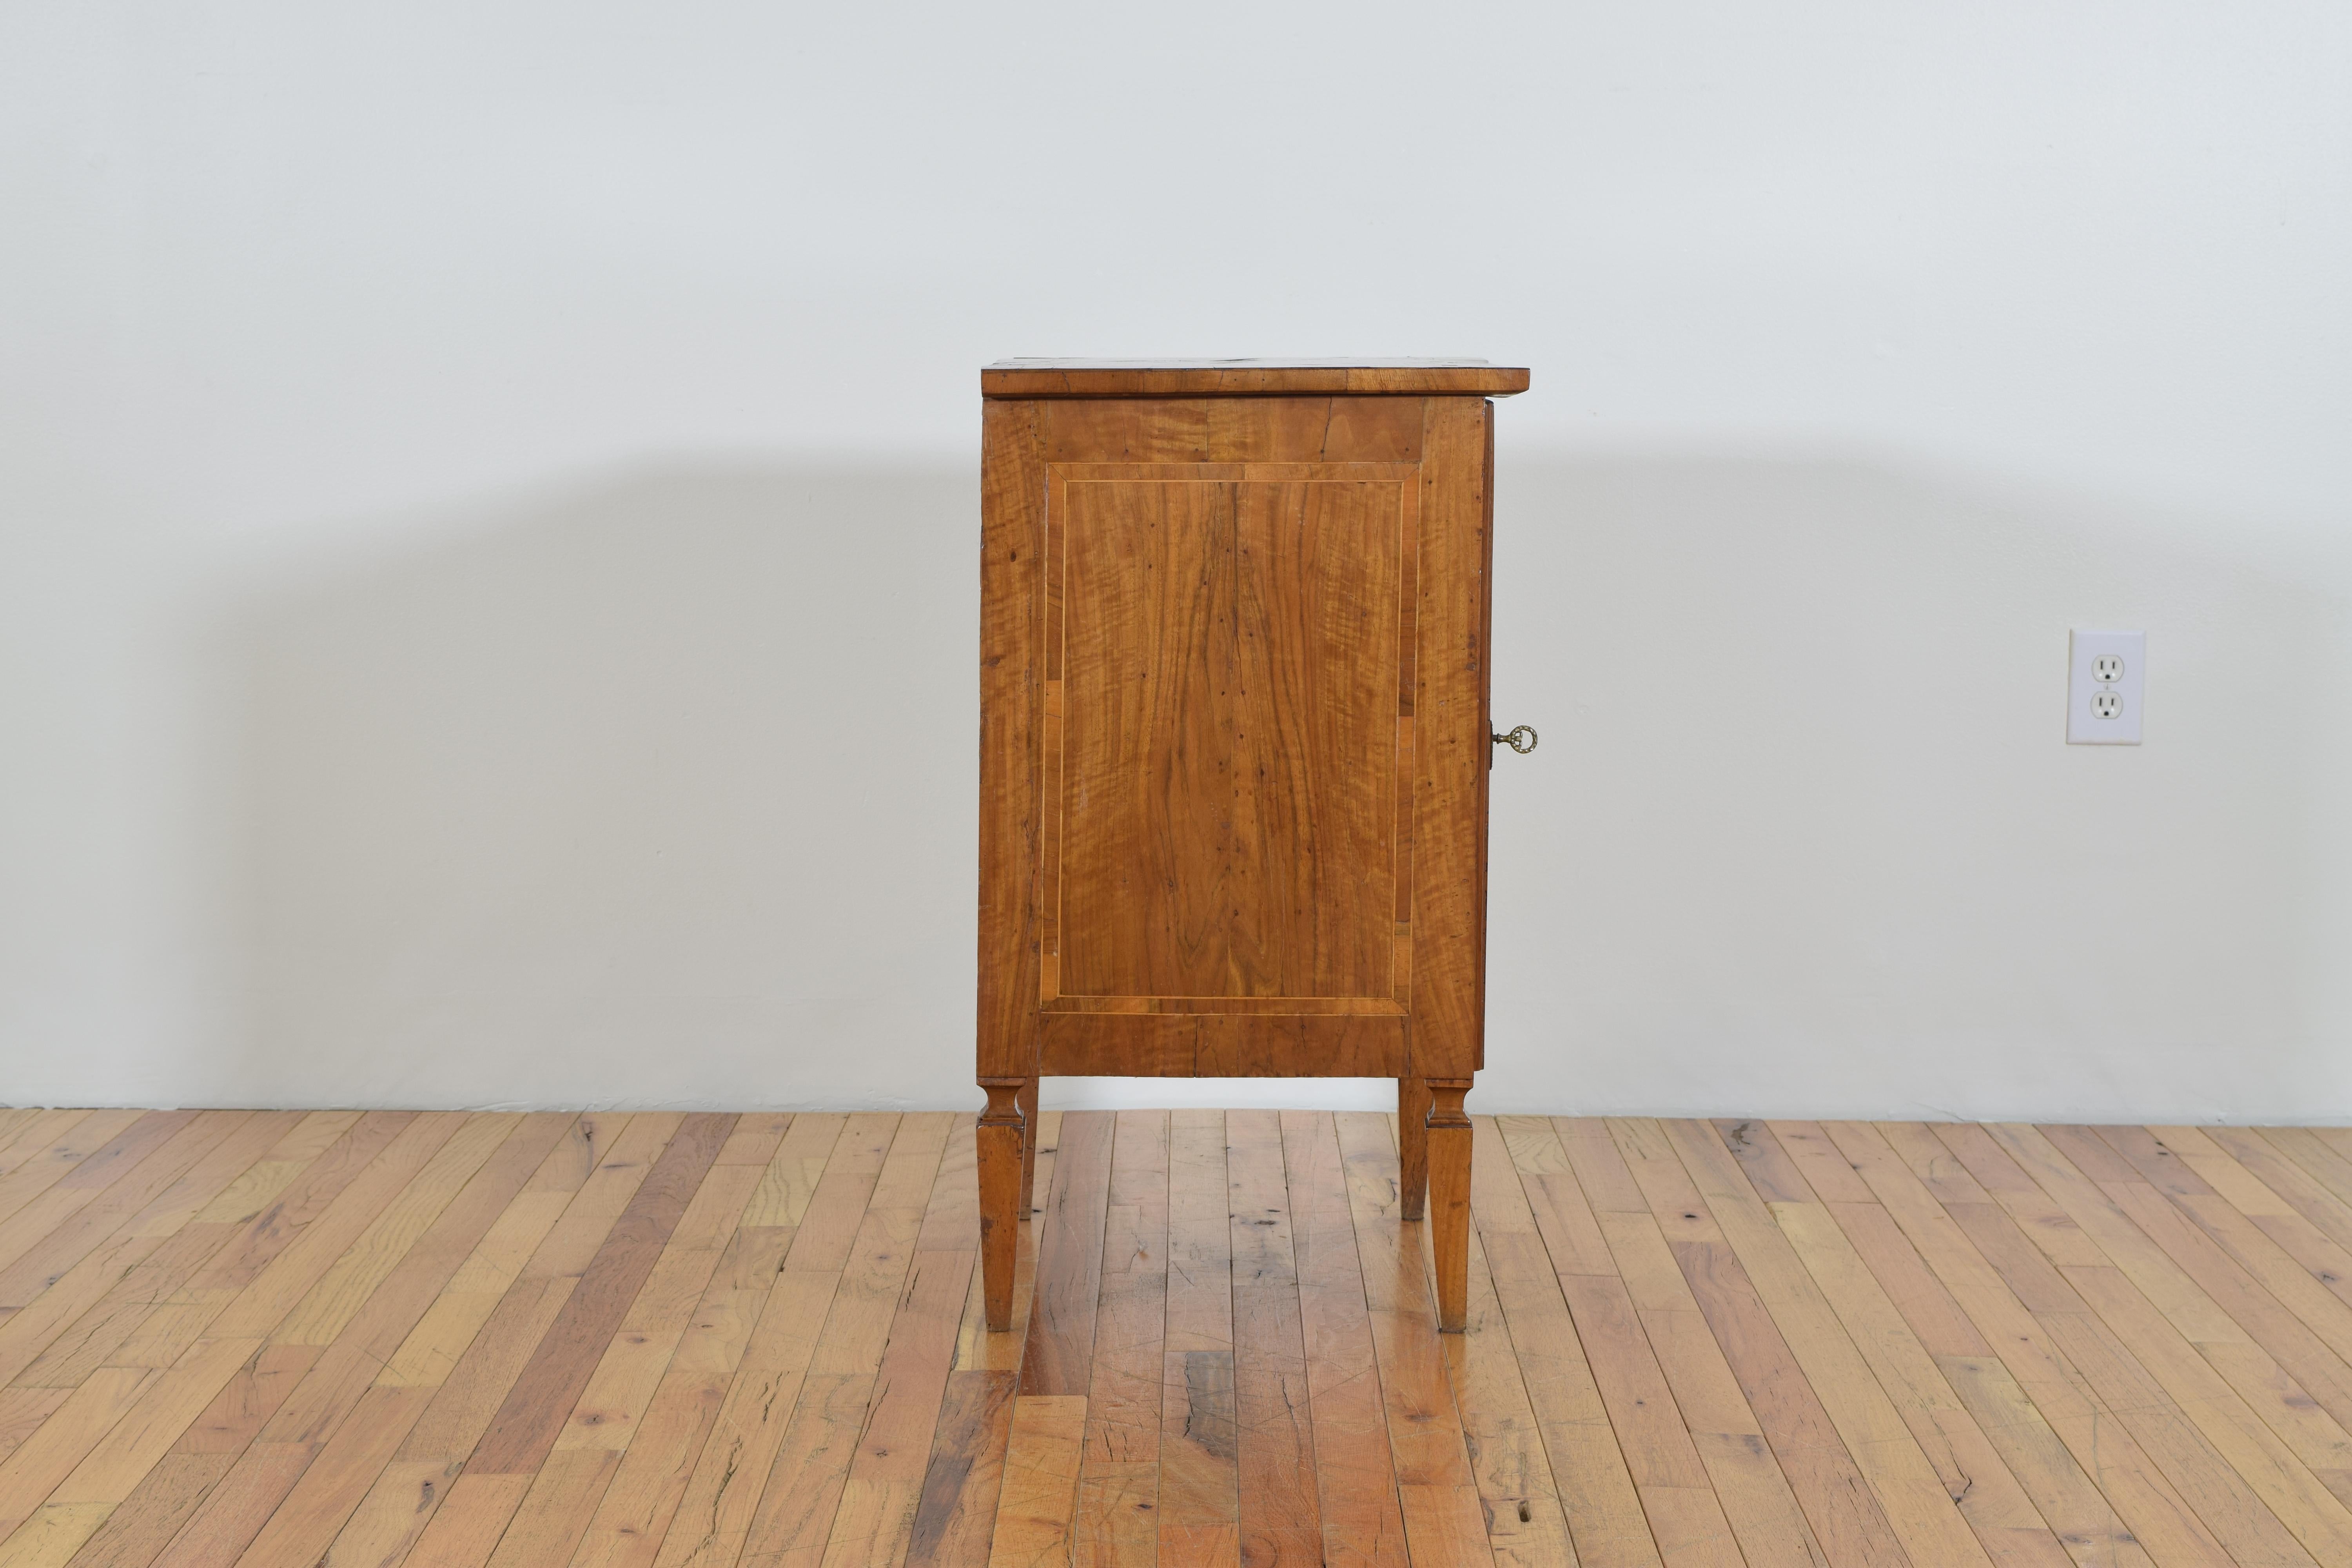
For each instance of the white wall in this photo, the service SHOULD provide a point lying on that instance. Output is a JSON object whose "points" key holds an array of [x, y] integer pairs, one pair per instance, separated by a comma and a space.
{"points": [[487, 505]]}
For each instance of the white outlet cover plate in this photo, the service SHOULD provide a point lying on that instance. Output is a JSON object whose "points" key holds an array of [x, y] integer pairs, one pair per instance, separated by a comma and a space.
{"points": [[2105, 712]]}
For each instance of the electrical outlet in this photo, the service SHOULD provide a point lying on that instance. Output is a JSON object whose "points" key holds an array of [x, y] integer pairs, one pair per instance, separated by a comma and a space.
{"points": [[2106, 676]]}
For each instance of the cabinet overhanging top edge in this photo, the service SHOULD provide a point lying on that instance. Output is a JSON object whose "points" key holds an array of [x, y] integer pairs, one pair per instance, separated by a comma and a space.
{"points": [[1028, 378]]}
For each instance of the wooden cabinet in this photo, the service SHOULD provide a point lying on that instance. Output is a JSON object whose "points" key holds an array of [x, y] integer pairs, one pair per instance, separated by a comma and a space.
{"points": [[1234, 744]]}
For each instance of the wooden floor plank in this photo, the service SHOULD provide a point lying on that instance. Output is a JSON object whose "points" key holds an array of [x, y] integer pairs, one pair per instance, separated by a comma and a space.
{"points": [[662, 1446], [571, 1487], [956, 1512], [1990, 1498], [1355, 1472], [1605, 1518], [276, 1339], [873, 1524], [2063, 1497], [715, 1514], [1117, 1521], [53, 1452], [1436, 1484], [2033, 1372], [2322, 1161], [385, 1522], [14, 1120], [2311, 1246], [94, 1139], [108, 1465], [1527, 1526], [1677, 1494], [48, 1143], [146, 1204], [1755, 1495], [2219, 1243], [344, 1325], [1281, 1517], [1040, 1495], [1058, 1357], [2126, 1328], [73, 1326], [526, 1426], [350, 1415], [470, 1346], [22, 1411], [2301, 1419], [1848, 1518], [801, 1492], [1199, 1443], [1890, 1455], [45, 1137], [265, 1214], [46, 1285]]}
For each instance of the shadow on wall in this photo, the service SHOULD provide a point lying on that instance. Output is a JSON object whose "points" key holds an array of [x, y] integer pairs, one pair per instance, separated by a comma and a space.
{"points": [[662, 794], [657, 793]]}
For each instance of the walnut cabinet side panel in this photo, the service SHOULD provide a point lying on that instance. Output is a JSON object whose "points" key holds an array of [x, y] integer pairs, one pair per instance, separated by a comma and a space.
{"points": [[1012, 725], [1233, 736], [1451, 742]]}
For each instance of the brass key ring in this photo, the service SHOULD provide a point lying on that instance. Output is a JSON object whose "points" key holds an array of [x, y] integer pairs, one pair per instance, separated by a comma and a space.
{"points": [[1519, 738]]}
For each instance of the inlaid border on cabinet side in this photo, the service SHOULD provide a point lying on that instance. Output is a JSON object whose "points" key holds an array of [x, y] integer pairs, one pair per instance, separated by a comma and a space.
{"points": [[1059, 476], [1011, 702], [1450, 741]]}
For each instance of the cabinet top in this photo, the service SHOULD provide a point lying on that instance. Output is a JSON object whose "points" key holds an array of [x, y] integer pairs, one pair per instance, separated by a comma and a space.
{"points": [[1247, 377]]}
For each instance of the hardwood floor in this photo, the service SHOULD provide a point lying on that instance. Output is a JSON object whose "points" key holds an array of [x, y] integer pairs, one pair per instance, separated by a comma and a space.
{"points": [[685, 1340]]}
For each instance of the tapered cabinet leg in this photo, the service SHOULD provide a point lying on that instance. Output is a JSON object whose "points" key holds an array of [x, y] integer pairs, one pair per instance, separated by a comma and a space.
{"points": [[999, 1137], [1449, 1200], [1412, 1146], [1028, 1103]]}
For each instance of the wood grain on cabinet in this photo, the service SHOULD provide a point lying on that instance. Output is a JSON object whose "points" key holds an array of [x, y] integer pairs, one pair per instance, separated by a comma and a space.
{"points": [[1235, 739]]}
